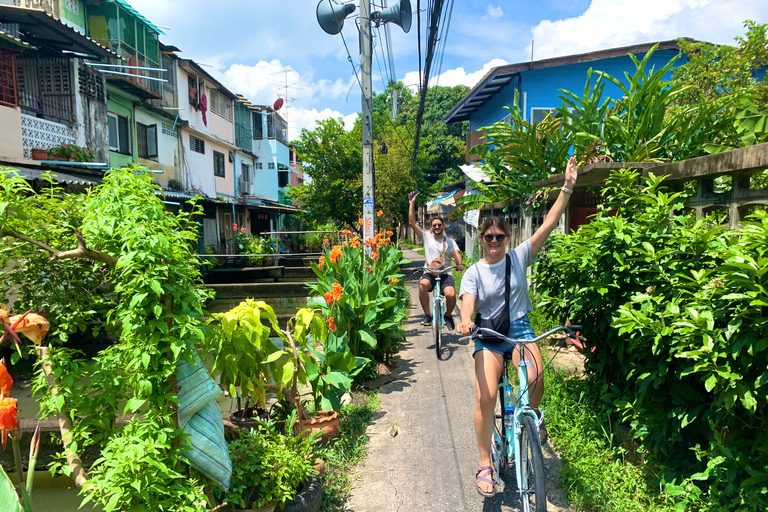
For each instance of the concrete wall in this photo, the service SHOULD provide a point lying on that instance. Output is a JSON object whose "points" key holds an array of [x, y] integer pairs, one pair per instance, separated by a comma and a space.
{"points": [[168, 153], [10, 133], [198, 167], [73, 18], [92, 130]]}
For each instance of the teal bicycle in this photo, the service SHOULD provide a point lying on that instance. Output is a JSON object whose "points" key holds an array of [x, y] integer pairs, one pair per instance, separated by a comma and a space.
{"points": [[521, 441], [438, 307]]}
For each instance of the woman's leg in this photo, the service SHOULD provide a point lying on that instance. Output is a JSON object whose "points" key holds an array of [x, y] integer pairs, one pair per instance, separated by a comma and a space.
{"points": [[535, 372], [488, 366]]}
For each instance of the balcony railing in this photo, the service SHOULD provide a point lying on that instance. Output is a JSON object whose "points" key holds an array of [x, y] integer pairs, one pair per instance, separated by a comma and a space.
{"points": [[38, 133]]}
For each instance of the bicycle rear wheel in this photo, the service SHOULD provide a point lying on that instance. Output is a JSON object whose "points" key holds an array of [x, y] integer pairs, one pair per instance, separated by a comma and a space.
{"points": [[437, 320], [533, 492]]}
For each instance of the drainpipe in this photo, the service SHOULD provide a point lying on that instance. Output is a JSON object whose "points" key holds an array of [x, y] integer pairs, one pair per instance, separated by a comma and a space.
{"points": [[234, 175]]}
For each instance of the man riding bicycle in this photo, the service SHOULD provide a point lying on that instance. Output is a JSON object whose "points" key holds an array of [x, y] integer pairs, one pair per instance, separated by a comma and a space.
{"points": [[436, 244]]}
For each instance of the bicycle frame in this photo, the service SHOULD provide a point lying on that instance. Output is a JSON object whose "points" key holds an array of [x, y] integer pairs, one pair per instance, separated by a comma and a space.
{"points": [[438, 306]]}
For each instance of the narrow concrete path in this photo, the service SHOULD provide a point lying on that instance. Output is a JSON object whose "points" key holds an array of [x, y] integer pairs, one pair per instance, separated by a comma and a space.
{"points": [[430, 464]]}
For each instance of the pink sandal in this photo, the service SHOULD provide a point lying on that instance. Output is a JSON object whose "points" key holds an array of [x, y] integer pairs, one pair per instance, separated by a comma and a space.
{"points": [[485, 474]]}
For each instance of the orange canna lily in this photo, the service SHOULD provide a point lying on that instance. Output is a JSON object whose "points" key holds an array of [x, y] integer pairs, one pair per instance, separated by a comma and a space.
{"points": [[336, 253], [6, 382], [32, 325], [393, 280], [329, 297], [360, 221], [321, 263], [331, 324], [8, 420], [337, 289], [379, 213]]}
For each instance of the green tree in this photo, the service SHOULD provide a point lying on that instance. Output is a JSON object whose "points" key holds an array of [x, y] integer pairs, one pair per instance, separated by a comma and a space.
{"points": [[333, 161]]}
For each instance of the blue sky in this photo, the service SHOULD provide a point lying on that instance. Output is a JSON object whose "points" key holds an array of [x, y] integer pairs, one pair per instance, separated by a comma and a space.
{"points": [[254, 47]]}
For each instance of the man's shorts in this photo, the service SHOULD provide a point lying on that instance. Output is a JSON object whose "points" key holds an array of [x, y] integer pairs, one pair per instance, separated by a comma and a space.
{"points": [[445, 281]]}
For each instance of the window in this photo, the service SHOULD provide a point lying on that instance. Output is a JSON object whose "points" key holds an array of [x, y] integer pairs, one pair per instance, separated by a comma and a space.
{"points": [[7, 78], [539, 114], [258, 129], [245, 170], [283, 178], [146, 140], [119, 135], [271, 165], [218, 164], [221, 105], [197, 145], [259, 165]]}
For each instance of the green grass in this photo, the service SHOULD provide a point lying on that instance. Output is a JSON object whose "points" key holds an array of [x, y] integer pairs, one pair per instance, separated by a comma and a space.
{"points": [[596, 473], [342, 457]]}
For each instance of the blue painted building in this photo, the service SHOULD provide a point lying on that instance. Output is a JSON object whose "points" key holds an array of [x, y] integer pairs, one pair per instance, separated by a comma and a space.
{"points": [[538, 83]]}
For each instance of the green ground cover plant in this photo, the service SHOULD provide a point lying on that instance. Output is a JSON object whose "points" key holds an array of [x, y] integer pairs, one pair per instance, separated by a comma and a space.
{"points": [[342, 457]]}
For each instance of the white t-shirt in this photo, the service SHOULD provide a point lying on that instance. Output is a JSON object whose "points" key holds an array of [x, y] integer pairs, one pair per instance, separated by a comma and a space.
{"points": [[433, 248], [486, 283]]}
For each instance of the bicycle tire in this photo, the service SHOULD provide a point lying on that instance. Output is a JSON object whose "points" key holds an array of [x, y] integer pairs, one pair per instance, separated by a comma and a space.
{"points": [[499, 440], [533, 491], [437, 320]]}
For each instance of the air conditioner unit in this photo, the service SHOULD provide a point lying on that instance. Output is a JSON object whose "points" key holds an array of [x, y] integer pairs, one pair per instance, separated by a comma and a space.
{"points": [[244, 186]]}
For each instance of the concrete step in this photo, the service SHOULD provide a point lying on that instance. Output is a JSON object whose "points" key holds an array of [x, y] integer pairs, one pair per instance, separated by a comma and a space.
{"points": [[259, 290]]}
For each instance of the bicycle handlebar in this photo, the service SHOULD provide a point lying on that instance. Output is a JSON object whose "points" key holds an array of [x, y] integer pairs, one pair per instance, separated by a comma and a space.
{"points": [[570, 330], [427, 269]]}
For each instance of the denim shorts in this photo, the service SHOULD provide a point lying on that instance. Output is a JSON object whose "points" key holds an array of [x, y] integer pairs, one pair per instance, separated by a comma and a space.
{"points": [[519, 329]]}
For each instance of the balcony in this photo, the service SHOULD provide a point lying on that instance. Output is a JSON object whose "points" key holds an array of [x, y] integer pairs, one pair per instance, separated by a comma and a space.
{"points": [[39, 133]]}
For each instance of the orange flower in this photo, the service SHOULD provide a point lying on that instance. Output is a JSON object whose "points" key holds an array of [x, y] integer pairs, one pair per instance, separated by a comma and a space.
{"points": [[375, 255], [337, 289], [389, 233], [234, 227], [356, 243], [332, 324], [8, 413], [360, 221], [393, 280], [321, 262], [328, 297], [346, 232], [6, 382], [336, 253], [379, 213]]}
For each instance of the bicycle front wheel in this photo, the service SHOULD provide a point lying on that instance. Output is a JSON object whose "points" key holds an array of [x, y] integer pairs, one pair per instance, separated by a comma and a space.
{"points": [[437, 323], [499, 441], [532, 485]]}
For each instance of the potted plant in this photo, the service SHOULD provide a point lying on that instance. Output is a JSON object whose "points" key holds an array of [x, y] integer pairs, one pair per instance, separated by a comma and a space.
{"points": [[71, 152], [249, 362], [39, 154], [269, 469]]}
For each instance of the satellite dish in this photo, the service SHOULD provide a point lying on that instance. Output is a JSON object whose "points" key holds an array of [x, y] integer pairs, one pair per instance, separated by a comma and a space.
{"points": [[330, 15], [399, 14], [278, 104]]}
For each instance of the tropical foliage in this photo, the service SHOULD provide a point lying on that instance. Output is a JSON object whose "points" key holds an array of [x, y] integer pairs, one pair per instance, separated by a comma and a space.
{"points": [[676, 311]]}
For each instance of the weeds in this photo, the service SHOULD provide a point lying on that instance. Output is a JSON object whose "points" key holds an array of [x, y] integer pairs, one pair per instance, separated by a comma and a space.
{"points": [[350, 448]]}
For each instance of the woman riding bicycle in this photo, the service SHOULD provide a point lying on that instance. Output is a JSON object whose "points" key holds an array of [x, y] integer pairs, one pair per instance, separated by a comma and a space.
{"points": [[482, 291]]}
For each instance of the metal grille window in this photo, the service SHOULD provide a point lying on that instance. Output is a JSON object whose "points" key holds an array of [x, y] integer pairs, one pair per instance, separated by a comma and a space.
{"points": [[271, 165], [283, 178], [218, 164], [246, 171], [92, 84], [46, 88], [146, 140], [8, 78], [259, 165], [258, 128], [119, 134], [221, 105], [196, 145]]}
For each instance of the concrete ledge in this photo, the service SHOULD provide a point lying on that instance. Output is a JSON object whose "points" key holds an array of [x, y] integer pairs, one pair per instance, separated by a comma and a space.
{"points": [[259, 290]]}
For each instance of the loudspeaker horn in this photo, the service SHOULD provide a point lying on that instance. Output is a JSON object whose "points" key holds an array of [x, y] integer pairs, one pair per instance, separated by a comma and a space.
{"points": [[330, 15], [399, 14]]}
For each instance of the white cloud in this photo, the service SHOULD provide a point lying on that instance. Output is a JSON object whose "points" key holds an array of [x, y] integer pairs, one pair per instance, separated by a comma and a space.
{"points": [[494, 12], [616, 23], [302, 118], [454, 77]]}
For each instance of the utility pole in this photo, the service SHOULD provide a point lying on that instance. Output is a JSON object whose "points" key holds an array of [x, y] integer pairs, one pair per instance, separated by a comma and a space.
{"points": [[365, 69]]}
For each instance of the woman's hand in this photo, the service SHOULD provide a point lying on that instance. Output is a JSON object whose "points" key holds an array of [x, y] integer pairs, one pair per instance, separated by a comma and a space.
{"points": [[465, 328], [570, 173]]}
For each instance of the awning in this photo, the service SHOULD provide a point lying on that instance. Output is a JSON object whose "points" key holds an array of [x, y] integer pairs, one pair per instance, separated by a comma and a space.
{"points": [[136, 13], [32, 173], [474, 173], [41, 29]]}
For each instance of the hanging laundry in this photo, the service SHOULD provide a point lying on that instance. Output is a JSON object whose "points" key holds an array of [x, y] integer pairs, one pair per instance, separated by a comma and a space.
{"points": [[204, 107]]}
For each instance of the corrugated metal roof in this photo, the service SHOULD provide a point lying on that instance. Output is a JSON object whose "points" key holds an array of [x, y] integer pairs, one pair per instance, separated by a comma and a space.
{"points": [[136, 13], [32, 173]]}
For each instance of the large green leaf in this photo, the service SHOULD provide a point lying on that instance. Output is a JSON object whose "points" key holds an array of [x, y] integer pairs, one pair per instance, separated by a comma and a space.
{"points": [[9, 501]]}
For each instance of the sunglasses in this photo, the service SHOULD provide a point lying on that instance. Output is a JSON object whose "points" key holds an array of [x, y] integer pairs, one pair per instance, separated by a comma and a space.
{"points": [[491, 238], [437, 225]]}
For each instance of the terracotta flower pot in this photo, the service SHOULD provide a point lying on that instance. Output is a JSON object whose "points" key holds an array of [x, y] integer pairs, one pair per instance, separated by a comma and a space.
{"points": [[39, 154], [327, 421]]}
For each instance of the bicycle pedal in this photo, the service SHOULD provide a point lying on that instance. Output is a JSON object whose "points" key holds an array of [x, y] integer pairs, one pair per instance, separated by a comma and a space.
{"points": [[498, 485]]}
